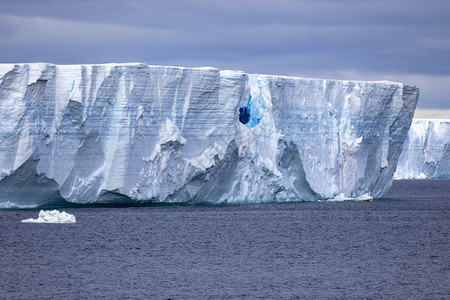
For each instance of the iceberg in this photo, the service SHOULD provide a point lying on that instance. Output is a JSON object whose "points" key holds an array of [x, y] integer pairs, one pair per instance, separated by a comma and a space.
{"points": [[136, 133], [52, 216], [426, 152]]}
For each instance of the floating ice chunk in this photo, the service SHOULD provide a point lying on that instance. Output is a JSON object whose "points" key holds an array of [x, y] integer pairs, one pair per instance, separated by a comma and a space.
{"points": [[52, 216], [341, 197], [12, 205]]}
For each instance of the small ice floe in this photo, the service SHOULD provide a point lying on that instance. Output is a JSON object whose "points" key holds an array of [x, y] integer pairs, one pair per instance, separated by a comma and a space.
{"points": [[341, 197], [52, 216], [12, 205]]}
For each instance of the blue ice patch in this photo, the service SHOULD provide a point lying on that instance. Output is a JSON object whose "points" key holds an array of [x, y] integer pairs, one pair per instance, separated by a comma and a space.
{"points": [[251, 114], [244, 114]]}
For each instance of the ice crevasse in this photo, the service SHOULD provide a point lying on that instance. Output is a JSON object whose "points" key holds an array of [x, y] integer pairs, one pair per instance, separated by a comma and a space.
{"points": [[139, 133]]}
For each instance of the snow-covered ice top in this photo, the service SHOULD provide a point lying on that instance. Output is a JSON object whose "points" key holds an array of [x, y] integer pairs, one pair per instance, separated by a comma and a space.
{"points": [[52, 216], [139, 133], [426, 153]]}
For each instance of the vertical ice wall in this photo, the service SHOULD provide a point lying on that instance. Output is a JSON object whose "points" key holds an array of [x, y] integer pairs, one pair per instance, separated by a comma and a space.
{"points": [[346, 136], [426, 152], [133, 132]]}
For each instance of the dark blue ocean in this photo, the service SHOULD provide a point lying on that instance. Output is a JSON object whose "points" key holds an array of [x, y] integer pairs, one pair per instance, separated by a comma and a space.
{"points": [[392, 248]]}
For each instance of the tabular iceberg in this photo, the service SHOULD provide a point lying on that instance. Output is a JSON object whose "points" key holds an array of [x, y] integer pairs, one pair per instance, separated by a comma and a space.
{"points": [[139, 133], [426, 152]]}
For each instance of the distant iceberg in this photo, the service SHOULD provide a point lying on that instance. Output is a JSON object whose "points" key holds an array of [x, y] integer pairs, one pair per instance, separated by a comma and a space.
{"points": [[52, 216], [118, 133], [426, 152]]}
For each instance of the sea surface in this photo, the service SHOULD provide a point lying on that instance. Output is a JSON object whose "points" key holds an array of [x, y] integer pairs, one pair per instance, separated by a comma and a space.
{"points": [[392, 248]]}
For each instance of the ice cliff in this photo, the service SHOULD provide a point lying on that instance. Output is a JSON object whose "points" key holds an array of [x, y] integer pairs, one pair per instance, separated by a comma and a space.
{"points": [[426, 153], [139, 133]]}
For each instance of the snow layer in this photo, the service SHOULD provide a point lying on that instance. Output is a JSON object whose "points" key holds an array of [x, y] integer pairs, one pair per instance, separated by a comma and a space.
{"points": [[139, 133], [426, 153], [52, 216]]}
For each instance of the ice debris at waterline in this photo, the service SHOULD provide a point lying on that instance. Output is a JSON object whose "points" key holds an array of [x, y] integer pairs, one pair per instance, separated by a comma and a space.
{"points": [[52, 216], [138, 133], [342, 198], [426, 153]]}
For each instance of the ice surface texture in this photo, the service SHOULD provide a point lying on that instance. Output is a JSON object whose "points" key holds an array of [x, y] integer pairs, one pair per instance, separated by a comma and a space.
{"points": [[139, 133], [426, 153]]}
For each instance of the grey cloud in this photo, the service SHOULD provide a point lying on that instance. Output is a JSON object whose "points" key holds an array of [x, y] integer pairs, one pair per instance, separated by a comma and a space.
{"points": [[172, 13], [280, 37]]}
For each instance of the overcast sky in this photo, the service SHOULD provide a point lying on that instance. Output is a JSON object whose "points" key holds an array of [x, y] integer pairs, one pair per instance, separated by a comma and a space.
{"points": [[399, 40]]}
